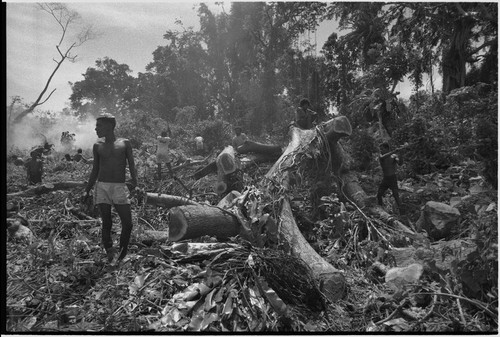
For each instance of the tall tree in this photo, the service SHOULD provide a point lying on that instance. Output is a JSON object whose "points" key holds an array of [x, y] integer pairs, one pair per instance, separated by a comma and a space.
{"points": [[183, 61], [107, 87], [263, 34], [462, 33], [65, 18]]}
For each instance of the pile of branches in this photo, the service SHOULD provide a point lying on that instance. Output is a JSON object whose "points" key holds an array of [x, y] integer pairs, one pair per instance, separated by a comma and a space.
{"points": [[246, 289]]}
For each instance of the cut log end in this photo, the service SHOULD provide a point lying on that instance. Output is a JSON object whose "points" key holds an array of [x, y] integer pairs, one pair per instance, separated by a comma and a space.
{"points": [[178, 231], [220, 187], [333, 286]]}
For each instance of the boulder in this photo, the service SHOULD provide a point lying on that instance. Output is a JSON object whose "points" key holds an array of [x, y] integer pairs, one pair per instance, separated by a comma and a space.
{"points": [[442, 253], [400, 276], [439, 220], [19, 233]]}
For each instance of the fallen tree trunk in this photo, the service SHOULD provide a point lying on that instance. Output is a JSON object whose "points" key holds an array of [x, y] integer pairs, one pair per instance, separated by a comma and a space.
{"points": [[47, 187], [254, 147], [246, 162], [192, 221], [204, 171], [227, 162], [166, 200], [352, 190], [331, 280]]}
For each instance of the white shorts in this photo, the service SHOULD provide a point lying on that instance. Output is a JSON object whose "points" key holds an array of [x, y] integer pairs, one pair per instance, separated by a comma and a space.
{"points": [[111, 193]]}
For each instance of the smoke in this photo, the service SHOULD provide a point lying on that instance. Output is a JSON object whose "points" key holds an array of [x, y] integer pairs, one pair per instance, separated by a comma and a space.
{"points": [[33, 130]]}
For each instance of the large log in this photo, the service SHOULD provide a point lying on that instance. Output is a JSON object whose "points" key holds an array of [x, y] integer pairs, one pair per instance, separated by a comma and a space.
{"points": [[246, 161], [167, 201], [192, 221], [331, 280], [254, 147], [227, 161], [206, 170], [228, 171], [47, 187]]}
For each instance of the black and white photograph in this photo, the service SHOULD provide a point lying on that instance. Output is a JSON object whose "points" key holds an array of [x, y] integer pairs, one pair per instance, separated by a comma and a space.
{"points": [[251, 167]]}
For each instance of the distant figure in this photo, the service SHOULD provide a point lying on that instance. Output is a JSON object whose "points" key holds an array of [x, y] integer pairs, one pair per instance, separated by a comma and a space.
{"points": [[199, 143], [34, 169], [388, 161], [162, 152], [79, 156], [111, 156], [305, 118], [239, 138]]}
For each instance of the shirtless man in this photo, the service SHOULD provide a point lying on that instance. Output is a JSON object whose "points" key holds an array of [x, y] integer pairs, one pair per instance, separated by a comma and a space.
{"points": [[34, 168], [305, 118], [109, 166], [388, 162], [239, 138]]}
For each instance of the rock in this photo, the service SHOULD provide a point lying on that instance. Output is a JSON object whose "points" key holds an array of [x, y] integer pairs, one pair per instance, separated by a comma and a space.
{"points": [[442, 253], [19, 233], [439, 220], [400, 276]]}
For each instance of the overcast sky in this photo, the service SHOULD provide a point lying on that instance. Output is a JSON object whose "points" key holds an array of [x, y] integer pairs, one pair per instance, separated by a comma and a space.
{"points": [[129, 33]]}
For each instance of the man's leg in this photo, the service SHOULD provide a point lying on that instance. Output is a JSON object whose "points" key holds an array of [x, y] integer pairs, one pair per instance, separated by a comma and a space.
{"points": [[107, 223], [169, 167], [159, 171], [126, 219], [395, 193], [381, 191]]}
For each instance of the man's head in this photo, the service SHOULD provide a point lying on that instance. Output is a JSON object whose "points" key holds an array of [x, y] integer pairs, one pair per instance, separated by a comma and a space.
{"points": [[34, 154], [237, 130], [164, 133], [304, 103], [79, 151], [105, 125], [384, 147]]}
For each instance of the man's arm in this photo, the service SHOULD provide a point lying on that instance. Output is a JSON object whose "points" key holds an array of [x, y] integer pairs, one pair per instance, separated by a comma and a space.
{"points": [[131, 163], [314, 115], [95, 169]]}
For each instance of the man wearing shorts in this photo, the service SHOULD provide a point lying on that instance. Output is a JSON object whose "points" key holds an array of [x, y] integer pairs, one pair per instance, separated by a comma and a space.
{"points": [[108, 173], [388, 162]]}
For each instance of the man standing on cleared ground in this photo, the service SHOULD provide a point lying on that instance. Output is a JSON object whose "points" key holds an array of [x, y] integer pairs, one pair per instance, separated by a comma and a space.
{"points": [[108, 174]]}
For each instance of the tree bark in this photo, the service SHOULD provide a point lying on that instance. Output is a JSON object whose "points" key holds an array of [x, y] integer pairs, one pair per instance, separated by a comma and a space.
{"points": [[246, 161], [204, 171], [168, 201], [332, 282], [254, 147], [192, 221]]}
